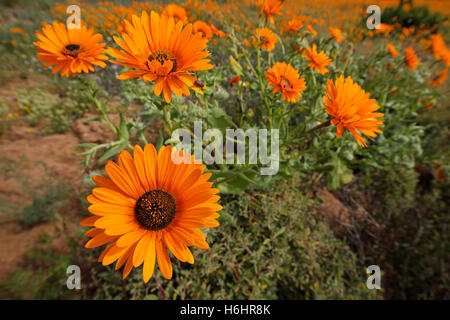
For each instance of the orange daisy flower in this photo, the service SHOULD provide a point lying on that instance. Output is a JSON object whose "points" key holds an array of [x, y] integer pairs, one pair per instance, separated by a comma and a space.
{"points": [[411, 58], [440, 78], [163, 51], [203, 28], [270, 8], [391, 49], [311, 29], [267, 39], [294, 25], [150, 204], [352, 109], [70, 51], [318, 61], [177, 12], [287, 80], [336, 34]]}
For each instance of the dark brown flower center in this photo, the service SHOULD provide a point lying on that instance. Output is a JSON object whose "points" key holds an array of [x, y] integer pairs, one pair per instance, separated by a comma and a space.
{"points": [[71, 50], [155, 209], [161, 57]]}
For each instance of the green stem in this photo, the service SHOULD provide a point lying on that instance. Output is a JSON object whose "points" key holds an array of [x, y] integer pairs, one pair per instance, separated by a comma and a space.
{"points": [[167, 119], [321, 125], [98, 105]]}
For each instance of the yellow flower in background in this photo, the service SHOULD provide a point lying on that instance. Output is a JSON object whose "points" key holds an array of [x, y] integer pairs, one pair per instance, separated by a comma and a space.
{"points": [[318, 61], [150, 205], [70, 51], [287, 80], [352, 109], [163, 51]]}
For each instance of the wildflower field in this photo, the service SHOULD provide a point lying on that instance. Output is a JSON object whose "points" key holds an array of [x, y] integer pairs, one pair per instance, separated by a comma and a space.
{"points": [[255, 149]]}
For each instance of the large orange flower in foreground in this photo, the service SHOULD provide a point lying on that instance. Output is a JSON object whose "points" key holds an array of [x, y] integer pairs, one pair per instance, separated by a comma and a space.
{"points": [[267, 38], [162, 50], [352, 109], [287, 80], [70, 51], [318, 61], [411, 59], [150, 204]]}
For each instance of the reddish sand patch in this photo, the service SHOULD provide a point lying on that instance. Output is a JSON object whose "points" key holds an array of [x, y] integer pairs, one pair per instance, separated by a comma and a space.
{"points": [[27, 153]]}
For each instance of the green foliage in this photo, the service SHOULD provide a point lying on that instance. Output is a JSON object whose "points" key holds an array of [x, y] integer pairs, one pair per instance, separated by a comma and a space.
{"points": [[43, 277], [416, 16], [55, 111], [44, 205], [4, 108], [413, 245], [45, 198]]}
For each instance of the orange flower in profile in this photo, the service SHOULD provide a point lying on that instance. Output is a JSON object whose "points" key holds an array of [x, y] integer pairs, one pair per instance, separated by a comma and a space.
{"points": [[408, 31], [318, 61], [234, 80], [216, 31], [177, 12], [203, 28], [429, 105], [440, 78], [287, 80], [70, 51], [150, 205], [267, 39], [439, 48], [17, 30], [163, 51], [270, 8], [384, 28], [311, 29], [411, 58], [352, 109], [336, 34], [392, 50]]}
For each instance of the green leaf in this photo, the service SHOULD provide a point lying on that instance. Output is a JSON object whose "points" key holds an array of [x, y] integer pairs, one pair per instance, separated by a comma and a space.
{"points": [[123, 130], [235, 66], [113, 151], [340, 174]]}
